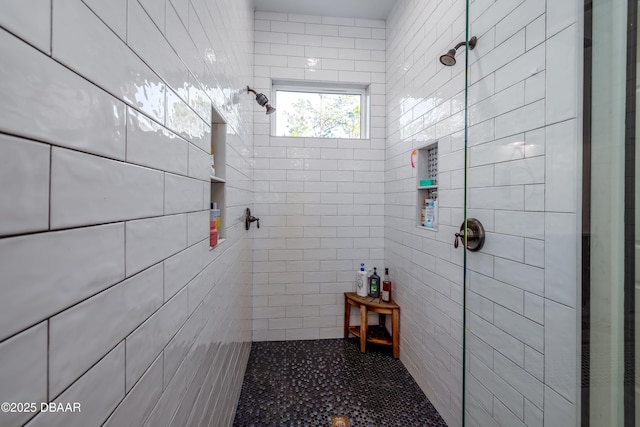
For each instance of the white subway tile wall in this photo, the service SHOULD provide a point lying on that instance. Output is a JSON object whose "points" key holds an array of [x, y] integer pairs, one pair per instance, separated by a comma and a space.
{"points": [[111, 295], [523, 185], [320, 201]]}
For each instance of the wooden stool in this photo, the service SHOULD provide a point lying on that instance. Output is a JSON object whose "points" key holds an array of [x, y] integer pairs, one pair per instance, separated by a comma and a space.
{"points": [[375, 305]]}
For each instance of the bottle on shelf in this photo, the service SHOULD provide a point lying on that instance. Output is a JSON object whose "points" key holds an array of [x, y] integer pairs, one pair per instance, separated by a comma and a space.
{"points": [[214, 224], [213, 234], [374, 284], [429, 215], [386, 286], [215, 215], [434, 197], [435, 212], [362, 288]]}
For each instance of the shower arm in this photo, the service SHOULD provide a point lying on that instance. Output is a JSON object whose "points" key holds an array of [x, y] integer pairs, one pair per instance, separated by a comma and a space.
{"points": [[459, 45], [472, 43]]}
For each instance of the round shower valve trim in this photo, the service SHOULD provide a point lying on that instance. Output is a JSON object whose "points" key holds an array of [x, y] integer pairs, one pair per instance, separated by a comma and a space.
{"points": [[473, 237]]}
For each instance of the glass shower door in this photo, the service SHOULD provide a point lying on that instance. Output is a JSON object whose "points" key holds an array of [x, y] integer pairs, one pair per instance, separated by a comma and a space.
{"points": [[551, 326], [611, 242], [522, 328]]}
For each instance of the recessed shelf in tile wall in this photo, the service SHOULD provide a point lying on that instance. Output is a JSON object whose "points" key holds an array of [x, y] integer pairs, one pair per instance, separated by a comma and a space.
{"points": [[218, 169], [427, 161]]}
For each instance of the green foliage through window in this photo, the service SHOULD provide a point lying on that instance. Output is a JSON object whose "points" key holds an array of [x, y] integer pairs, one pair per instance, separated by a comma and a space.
{"points": [[318, 115]]}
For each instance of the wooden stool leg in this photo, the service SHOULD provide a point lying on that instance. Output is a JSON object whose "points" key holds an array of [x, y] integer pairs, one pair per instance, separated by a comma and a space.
{"points": [[395, 326], [347, 317], [363, 328]]}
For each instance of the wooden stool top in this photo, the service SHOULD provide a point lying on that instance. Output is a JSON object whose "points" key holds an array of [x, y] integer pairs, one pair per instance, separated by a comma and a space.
{"points": [[370, 301]]}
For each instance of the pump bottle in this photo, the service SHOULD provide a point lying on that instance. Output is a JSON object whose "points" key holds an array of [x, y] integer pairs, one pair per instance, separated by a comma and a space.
{"points": [[362, 284]]}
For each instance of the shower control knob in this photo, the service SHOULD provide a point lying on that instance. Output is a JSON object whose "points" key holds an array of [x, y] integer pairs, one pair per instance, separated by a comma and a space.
{"points": [[248, 219], [473, 237], [455, 241]]}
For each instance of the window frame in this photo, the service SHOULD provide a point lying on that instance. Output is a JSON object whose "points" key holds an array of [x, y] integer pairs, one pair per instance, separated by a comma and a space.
{"points": [[324, 87]]}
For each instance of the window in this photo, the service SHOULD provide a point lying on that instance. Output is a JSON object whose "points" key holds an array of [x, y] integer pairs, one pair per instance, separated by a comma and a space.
{"points": [[320, 111]]}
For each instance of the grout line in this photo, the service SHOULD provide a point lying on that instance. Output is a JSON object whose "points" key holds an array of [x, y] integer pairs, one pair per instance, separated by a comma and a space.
{"points": [[126, 22], [90, 9], [104, 89], [47, 396], [79, 227], [124, 250], [186, 232], [51, 30], [106, 157], [126, 133], [50, 187], [124, 343]]}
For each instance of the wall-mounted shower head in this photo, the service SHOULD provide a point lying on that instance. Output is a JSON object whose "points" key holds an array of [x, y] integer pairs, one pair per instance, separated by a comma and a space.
{"points": [[262, 100], [449, 58]]}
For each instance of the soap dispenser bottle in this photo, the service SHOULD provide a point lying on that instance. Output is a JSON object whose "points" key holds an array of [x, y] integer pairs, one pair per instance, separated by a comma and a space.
{"points": [[362, 288]]}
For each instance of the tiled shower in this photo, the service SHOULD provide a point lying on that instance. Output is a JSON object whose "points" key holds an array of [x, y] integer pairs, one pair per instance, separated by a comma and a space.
{"points": [[111, 294]]}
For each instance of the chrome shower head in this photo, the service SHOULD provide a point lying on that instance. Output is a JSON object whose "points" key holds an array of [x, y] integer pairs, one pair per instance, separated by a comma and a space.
{"points": [[262, 100], [449, 58]]}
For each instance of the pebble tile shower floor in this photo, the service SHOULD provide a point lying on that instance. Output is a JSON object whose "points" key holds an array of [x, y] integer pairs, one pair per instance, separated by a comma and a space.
{"points": [[305, 383]]}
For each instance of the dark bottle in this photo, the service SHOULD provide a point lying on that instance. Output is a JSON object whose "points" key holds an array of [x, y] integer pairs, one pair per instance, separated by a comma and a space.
{"points": [[386, 286], [374, 284]]}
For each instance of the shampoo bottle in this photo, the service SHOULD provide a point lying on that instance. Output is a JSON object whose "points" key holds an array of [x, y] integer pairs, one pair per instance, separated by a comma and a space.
{"points": [[435, 213], [362, 288], [429, 215], [213, 234], [215, 215], [374, 284]]}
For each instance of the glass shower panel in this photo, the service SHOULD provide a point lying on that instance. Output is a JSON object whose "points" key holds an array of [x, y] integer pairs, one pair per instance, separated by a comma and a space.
{"points": [[610, 392], [636, 246], [607, 221], [522, 182], [551, 323], [636, 259]]}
